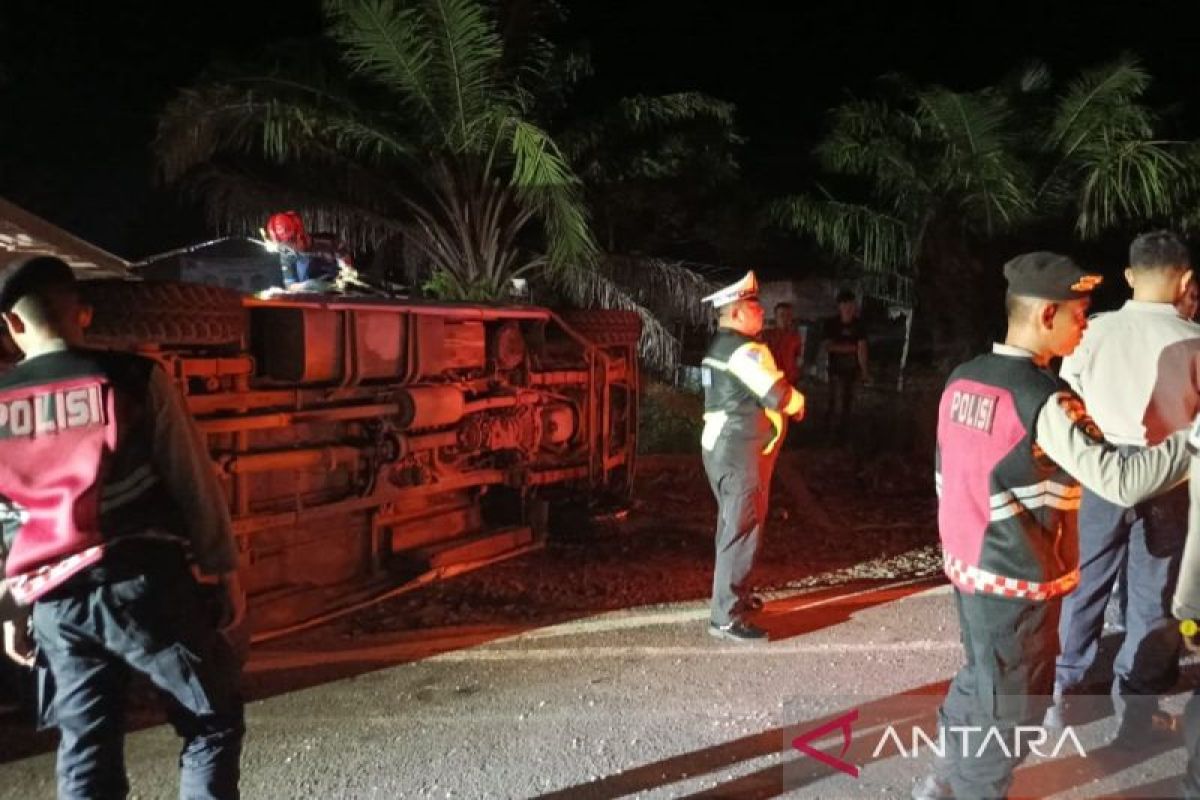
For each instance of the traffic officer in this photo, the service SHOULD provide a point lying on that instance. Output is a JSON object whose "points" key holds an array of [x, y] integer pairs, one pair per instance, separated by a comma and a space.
{"points": [[745, 401], [108, 500], [1013, 445]]}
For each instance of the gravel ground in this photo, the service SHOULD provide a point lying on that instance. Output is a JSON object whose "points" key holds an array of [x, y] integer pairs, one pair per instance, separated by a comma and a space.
{"points": [[583, 670], [834, 521], [831, 521]]}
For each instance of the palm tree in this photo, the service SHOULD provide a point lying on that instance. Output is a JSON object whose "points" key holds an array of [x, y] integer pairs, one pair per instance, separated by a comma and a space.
{"points": [[657, 170], [430, 126], [935, 174]]}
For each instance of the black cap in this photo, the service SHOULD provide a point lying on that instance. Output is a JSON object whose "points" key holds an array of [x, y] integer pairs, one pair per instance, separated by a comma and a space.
{"points": [[1049, 276], [30, 273]]}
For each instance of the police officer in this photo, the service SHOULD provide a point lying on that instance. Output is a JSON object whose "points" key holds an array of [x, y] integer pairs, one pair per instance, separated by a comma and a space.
{"points": [[746, 399], [108, 501], [1013, 445]]}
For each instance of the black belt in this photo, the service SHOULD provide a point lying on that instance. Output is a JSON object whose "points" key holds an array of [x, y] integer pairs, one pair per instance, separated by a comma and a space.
{"points": [[124, 560]]}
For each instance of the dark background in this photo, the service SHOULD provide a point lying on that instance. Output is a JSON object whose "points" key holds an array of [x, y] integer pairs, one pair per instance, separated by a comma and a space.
{"points": [[80, 83]]}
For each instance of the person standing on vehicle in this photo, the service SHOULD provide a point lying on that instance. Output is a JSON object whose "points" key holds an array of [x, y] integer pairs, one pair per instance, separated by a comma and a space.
{"points": [[308, 262], [845, 344], [1138, 368], [1013, 445], [746, 399], [108, 500]]}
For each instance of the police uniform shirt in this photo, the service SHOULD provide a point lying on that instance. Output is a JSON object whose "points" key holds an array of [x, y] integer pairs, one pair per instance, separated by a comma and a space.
{"points": [[1138, 369], [182, 463], [744, 390]]}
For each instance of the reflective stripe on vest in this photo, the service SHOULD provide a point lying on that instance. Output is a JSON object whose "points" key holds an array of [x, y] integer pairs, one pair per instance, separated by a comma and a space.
{"points": [[979, 581], [753, 365], [1039, 495]]}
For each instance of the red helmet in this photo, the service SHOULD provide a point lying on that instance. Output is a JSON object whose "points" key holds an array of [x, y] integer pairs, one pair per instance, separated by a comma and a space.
{"points": [[287, 228]]}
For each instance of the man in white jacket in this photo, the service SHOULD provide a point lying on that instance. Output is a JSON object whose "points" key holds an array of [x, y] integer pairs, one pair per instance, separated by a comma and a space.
{"points": [[1138, 370]]}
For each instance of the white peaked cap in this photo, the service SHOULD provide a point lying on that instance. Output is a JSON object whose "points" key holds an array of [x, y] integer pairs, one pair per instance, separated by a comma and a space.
{"points": [[746, 287]]}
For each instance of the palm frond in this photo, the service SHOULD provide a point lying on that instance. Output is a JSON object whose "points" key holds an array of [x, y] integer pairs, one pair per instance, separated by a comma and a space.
{"points": [[1131, 180], [468, 234], [466, 66], [979, 164], [541, 72], [544, 181], [391, 42], [251, 119], [878, 241], [643, 112], [1031, 78], [687, 135], [1098, 130], [880, 143], [670, 289], [1103, 101]]}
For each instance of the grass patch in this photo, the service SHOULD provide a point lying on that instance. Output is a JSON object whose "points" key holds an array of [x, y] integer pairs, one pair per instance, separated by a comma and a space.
{"points": [[671, 420]]}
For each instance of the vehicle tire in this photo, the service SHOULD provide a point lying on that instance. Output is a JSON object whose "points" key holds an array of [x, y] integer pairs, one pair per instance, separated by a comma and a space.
{"points": [[163, 313], [604, 326]]}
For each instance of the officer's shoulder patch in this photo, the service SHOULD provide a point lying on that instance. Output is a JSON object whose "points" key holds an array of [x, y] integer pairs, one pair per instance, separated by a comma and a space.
{"points": [[1072, 404], [753, 351]]}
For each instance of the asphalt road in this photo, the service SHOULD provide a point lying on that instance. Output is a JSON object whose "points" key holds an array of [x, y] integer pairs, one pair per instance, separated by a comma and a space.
{"points": [[636, 702]]}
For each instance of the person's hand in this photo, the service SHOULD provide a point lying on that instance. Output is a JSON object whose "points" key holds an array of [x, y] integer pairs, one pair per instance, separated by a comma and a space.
{"points": [[799, 415], [235, 601], [18, 644]]}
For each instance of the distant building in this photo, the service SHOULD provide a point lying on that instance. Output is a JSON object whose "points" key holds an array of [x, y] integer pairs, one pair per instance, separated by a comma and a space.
{"points": [[233, 262]]}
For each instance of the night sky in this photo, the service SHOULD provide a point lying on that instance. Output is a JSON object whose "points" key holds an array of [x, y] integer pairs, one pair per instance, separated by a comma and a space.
{"points": [[80, 83]]}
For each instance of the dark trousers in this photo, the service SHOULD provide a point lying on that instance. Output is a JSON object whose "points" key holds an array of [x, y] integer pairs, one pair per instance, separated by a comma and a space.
{"points": [[1005, 683], [740, 478], [90, 638], [840, 403], [1148, 539]]}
